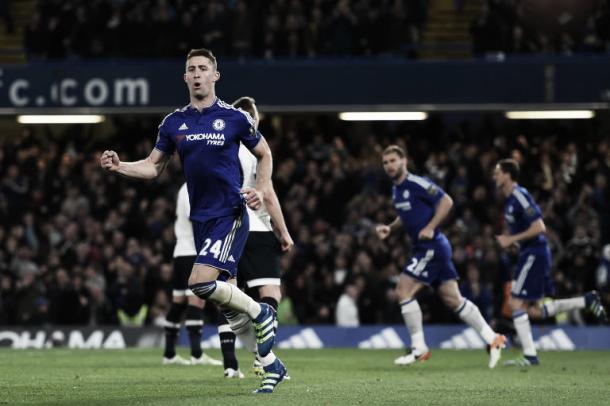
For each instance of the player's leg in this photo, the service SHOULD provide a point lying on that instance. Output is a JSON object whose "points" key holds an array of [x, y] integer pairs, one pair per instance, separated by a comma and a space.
{"points": [[230, 297], [272, 370], [172, 328], [259, 269], [470, 314], [527, 286], [227, 346], [553, 307], [524, 332], [181, 267], [271, 294], [227, 339], [590, 301], [550, 308], [406, 289], [263, 271], [194, 326], [220, 244]]}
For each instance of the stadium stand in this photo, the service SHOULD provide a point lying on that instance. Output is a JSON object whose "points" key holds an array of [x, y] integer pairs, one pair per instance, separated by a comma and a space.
{"points": [[330, 28]]}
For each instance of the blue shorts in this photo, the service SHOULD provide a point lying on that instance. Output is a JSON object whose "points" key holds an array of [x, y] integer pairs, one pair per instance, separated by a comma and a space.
{"points": [[220, 242], [431, 262], [532, 279]]}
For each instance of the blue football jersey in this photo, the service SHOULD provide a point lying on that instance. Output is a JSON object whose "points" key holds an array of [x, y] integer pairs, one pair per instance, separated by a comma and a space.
{"points": [[208, 145], [415, 200], [520, 211]]}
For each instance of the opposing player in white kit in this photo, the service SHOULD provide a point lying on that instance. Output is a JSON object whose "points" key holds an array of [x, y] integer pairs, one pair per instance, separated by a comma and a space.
{"points": [[184, 300]]}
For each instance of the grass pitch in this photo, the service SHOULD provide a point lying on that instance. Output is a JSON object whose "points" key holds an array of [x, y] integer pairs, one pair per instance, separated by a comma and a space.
{"points": [[319, 377]]}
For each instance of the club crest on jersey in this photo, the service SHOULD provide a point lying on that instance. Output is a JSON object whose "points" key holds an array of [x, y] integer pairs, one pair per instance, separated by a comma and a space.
{"points": [[218, 124], [405, 194]]}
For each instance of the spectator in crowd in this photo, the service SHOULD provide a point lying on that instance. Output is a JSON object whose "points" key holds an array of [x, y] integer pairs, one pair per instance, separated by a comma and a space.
{"points": [[529, 26], [232, 29], [346, 312]]}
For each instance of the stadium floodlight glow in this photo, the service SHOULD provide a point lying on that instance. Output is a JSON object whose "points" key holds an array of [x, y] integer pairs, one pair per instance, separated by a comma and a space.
{"points": [[383, 116], [60, 119], [550, 114]]}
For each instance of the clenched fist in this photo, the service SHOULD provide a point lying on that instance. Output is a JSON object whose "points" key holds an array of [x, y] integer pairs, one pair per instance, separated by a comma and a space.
{"points": [[110, 161]]}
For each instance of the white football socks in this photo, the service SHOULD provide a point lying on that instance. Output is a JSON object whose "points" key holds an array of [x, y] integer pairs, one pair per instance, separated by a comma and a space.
{"points": [[524, 331], [562, 305], [471, 315], [230, 296], [267, 360], [411, 313]]}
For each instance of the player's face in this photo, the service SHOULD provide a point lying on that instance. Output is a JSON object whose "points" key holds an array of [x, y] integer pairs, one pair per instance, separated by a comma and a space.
{"points": [[394, 165], [200, 76], [500, 177]]}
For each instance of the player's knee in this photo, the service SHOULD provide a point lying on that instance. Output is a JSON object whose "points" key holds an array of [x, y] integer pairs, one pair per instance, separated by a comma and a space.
{"points": [[452, 301], [516, 304], [403, 293], [203, 290], [535, 312], [177, 297], [271, 291]]}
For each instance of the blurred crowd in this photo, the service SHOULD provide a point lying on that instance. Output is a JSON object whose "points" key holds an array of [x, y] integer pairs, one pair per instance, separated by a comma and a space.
{"points": [[529, 26], [80, 246], [280, 29], [239, 29]]}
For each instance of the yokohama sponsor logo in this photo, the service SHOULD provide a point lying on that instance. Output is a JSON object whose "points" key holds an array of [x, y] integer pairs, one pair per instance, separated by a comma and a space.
{"points": [[205, 137]]}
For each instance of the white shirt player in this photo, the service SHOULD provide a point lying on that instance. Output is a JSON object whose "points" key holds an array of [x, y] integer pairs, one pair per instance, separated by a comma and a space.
{"points": [[185, 242], [259, 219]]}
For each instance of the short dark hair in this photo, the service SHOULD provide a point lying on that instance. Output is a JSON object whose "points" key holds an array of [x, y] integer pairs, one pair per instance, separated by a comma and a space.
{"points": [[246, 103], [510, 166], [203, 52], [395, 149]]}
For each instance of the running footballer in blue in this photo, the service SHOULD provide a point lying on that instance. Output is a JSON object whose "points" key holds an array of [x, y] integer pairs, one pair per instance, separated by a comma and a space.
{"points": [[532, 279], [421, 207], [415, 200]]}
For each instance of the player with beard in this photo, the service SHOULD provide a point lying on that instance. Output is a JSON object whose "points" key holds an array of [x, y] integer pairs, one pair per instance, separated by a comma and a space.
{"points": [[421, 207]]}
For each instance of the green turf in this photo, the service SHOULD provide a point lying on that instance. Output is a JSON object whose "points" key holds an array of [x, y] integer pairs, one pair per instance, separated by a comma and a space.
{"points": [[319, 377]]}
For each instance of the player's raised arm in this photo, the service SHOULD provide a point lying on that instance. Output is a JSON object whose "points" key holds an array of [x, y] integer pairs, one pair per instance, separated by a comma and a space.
{"points": [[147, 168]]}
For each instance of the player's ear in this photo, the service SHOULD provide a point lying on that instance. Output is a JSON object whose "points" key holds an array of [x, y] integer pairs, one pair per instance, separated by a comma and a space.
{"points": [[184, 77], [216, 75]]}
